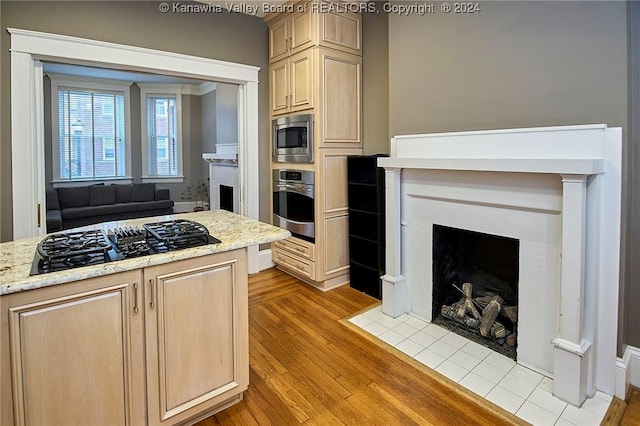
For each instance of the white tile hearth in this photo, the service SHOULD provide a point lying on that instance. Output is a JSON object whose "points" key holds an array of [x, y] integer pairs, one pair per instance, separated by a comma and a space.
{"points": [[517, 389]]}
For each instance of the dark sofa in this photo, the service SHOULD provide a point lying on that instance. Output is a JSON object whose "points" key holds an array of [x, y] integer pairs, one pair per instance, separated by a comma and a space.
{"points": [[70, 207]]}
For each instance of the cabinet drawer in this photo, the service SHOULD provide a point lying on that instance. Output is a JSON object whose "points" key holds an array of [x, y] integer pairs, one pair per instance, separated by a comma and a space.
{"points": [[303, 267], [298, 247]]}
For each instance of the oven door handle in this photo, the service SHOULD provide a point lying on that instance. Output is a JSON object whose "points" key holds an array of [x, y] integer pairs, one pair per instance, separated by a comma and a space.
{"points": [[306, 190]]}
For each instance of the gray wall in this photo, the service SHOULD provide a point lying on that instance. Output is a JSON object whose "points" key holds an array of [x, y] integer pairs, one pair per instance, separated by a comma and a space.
{"points": [[227, 114], [515, 64], [629, 312], [208, 102], [521, 64], [191, 146], [231, 37], [375, 82]]}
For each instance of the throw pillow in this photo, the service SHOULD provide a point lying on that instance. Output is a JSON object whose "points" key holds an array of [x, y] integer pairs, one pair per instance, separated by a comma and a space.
{"points": [[75, 196], [101, 195], [123, 193], [143, 192]]}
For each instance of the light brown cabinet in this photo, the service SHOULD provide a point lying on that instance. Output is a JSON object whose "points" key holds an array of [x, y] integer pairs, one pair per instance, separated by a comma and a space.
{"points": [[161, 345], [196, 336], [339, 106], [323, 76], [291, 83], [74, 354], [311, 25], [291, 33]]}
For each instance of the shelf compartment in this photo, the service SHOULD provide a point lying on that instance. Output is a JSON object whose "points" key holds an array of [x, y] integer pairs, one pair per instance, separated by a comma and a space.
{"points": [[366, 280], [364, 252], [364, 224]]}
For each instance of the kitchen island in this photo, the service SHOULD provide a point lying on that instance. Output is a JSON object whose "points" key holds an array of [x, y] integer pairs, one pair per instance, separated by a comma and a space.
{"points": [[156, 339]]}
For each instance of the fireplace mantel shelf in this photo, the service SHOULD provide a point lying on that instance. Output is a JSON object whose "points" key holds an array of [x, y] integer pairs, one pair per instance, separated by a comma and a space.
{"points": [[514, 165]]}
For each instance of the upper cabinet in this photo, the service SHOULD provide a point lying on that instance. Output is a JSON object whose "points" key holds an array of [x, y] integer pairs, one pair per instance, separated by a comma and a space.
{"points": [[291, 33], [341, 31], [312, 25], [292, 83]]}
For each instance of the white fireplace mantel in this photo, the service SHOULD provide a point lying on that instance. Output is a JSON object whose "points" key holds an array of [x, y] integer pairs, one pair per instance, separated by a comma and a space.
{"points": [[587, 162]]}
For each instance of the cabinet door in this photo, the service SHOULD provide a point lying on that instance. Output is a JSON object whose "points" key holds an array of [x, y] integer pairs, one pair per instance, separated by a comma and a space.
{"points": [[279, 87], [341, 31], [302, 81], [196, 335], [340, 99], [302, 28], [278, 40], [76, 357]]}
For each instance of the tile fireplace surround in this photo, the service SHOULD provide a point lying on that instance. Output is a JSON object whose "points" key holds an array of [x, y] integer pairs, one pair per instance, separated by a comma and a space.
{"points": [[555, 189]]}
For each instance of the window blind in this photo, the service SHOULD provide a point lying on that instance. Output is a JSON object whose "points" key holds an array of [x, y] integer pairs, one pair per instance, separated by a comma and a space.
{"points": [[91, 134]]}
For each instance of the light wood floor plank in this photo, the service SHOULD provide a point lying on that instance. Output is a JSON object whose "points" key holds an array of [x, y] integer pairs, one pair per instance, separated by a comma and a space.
{"points": [[308, 367]]}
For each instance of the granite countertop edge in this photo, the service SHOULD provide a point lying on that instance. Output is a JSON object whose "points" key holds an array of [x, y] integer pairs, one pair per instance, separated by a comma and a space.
{"points": [[234, 232]]}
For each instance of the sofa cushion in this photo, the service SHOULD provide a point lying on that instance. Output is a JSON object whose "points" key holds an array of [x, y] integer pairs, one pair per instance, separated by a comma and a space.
{"points": [[123, 193], [54, 220], [52, 200], [150, 205], [76, 196], [143, 192], [102, 194], [113, 209]]}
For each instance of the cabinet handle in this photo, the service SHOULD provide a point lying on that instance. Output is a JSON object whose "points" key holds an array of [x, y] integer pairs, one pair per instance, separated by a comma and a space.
{"points": [[153, 294], [135, 298]]}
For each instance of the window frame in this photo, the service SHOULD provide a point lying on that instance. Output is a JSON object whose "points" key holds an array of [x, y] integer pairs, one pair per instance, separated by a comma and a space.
{"points": [[161, 90], [59, 81]]}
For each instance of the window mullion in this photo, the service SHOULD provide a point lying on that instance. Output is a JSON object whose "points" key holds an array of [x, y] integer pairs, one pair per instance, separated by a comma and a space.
{"points": [[67, 132], [93, 135]]}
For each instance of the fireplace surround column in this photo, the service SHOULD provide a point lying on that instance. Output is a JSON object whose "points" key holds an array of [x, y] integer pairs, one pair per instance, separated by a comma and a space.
{"points": [[394, 285], [572, 348]]}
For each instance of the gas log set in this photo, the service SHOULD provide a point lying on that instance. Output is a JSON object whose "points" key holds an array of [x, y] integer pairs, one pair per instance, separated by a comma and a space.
{"points": [[486, 315]]}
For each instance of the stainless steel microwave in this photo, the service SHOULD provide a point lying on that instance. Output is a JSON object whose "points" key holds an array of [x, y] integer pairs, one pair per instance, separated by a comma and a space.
{"points": [[293, 139]]}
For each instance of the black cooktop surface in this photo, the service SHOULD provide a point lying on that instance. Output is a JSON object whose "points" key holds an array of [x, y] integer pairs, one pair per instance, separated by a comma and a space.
{"points": [[73, 249]]}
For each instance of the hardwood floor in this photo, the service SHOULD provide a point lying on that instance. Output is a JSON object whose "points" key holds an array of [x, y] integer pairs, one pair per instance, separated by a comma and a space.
{"points": [[631, 414], [308, 365]]}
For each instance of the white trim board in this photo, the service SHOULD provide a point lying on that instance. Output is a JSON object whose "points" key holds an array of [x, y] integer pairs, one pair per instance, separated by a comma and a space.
{"points": [[30, 48], [627, 371], [265, 260]]}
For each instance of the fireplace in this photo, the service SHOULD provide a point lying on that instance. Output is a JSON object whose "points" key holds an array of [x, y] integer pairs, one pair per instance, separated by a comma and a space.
{"points": [[226, 197], [475, 286], [553, 192]]}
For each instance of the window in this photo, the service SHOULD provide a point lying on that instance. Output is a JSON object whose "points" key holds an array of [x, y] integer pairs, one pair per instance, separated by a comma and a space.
{"points": [[161, 135], [90, 135]]}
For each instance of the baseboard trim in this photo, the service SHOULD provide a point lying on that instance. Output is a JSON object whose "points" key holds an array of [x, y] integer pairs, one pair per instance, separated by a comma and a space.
{"points": [[264, 260], [627, 371], [183, 206]]}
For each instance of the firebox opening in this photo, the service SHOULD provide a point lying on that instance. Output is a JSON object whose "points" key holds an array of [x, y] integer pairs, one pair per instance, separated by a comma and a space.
{"points": [[475, 286], [226, 198]]}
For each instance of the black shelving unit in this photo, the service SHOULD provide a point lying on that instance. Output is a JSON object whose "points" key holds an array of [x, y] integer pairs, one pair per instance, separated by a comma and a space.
{"points": [[366, 223]]}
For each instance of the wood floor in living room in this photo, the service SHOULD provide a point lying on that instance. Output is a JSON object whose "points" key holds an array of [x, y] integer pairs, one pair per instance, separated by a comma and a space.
{"points": [[309, 365]]}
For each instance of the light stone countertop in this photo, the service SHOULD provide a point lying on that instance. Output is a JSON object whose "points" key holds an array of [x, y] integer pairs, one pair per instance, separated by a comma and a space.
{"points": [[234, 231]]}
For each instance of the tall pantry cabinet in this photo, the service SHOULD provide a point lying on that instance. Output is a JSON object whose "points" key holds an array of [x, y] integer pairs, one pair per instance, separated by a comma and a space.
{"points": [[315, 67]]}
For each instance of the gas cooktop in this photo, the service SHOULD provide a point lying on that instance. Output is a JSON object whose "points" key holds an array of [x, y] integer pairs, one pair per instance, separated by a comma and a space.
{"points": [[73, 249]]}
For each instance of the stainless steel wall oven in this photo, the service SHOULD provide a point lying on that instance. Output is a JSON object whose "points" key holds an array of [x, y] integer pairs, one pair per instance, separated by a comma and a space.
{"points": [[294, 202]]}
